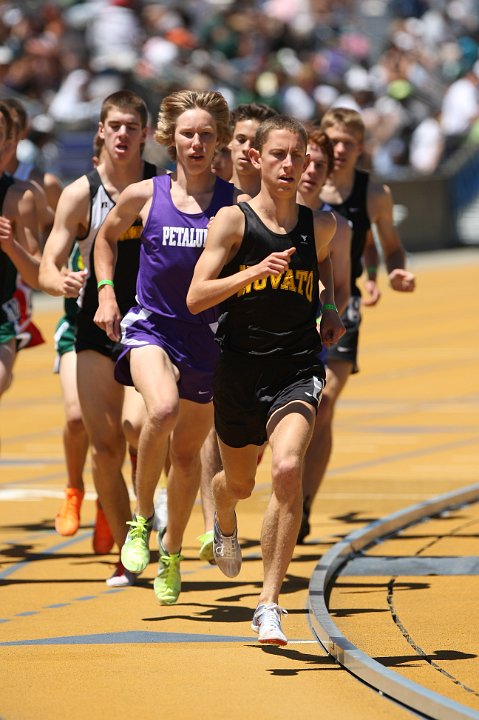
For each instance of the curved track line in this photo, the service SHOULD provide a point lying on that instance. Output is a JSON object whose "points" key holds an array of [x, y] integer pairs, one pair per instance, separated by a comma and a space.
{"points": [[410, 694]]}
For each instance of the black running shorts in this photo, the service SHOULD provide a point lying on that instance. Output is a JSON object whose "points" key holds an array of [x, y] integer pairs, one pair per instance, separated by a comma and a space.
{"points": [[346, 350], [248, 389]]}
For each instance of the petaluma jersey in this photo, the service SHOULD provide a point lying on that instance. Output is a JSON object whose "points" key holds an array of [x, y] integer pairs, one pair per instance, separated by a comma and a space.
{"points": [[172, 242], [276, 315]]}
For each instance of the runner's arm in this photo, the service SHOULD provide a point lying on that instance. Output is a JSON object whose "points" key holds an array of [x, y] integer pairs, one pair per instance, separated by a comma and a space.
{"points": [[71, 220], [122, 216], [207, 289]]}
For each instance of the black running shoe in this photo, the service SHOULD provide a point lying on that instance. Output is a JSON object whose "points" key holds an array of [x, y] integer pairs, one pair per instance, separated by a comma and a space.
{"points": [[305, 527]]}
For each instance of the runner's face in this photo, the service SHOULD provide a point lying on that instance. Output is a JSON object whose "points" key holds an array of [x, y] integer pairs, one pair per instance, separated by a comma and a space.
{"points": [[243, 137], [314, 177], [122, 133], [347, 147], [196, 139], [222, 165], [282, 161]]}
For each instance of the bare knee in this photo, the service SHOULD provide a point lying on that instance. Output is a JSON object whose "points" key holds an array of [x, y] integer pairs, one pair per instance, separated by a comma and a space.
{"points": [[241, 488], [286, 475], [107, 449], [74, 425], [163, 417]]}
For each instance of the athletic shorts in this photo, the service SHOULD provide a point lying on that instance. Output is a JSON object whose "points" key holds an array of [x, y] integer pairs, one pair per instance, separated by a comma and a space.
{"points": [[7, 332], [191, 348], [64, 339], [248, 389], [16, 313], [346, 350], [91, 337]]}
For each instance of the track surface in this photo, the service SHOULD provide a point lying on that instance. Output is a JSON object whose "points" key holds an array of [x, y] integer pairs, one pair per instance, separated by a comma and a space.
{"points": [[407, 429]]}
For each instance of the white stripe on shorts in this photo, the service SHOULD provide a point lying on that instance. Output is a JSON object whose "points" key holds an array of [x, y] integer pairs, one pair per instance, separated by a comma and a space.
{"points": [[129, 320]]}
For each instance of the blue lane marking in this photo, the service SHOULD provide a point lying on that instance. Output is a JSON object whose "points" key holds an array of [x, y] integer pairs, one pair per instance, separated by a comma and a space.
{"points": [[131, 637], [27, 613], [23, 563], [56, 605], [86, 597]]}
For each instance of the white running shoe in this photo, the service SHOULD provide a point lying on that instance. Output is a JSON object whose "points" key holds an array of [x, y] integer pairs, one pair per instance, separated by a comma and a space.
{"points": [[227, 551], [161, 509], [267, 623], [121, 577]]}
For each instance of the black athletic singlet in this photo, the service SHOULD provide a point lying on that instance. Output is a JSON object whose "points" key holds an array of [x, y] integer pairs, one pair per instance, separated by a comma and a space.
{"points": [[127, 263], [354, 209], [274, 316], [89, 335]]}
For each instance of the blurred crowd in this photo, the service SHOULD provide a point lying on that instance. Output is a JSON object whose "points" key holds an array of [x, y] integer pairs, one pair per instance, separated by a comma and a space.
{"points": [[410, 66]]}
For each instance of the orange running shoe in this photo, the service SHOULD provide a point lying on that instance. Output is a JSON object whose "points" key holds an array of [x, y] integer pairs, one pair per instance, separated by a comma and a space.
{"points": [[68, 519], [102, 538]]}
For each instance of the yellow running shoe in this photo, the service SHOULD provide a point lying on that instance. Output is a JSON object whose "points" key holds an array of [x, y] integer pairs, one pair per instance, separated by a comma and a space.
{"points": [[135, 553], [206, 549], [167, 584]]}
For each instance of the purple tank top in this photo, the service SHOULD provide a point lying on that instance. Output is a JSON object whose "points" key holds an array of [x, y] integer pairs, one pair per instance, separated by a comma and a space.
{"points": [[172, 242]]}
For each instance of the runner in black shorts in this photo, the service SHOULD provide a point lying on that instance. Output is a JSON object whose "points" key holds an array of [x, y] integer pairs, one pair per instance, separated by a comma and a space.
{"points": [[249, 390], [351, 192], [81, 210], [263, 261]]}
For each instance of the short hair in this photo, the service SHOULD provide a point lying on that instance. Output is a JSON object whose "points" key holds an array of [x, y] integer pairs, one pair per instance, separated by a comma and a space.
{"points": [[347, 117], [251, 111], [7, 115], [279, 122], [321, 140], [125, 100], [18, 112], [178, 102]]}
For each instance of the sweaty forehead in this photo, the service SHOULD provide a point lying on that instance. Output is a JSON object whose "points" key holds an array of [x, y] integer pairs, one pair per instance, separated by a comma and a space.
{"points": [[285, 138], [337, 131], [246, 127], [195, 117], [315, 151], [128, 116]]}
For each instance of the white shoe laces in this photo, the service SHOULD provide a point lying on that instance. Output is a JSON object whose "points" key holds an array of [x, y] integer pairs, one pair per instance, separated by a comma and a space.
{"points": [[269, 616], [228, 546]]}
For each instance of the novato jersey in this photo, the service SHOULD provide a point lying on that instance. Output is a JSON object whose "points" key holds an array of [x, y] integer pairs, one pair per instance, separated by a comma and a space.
{"points": [[276, 315]]}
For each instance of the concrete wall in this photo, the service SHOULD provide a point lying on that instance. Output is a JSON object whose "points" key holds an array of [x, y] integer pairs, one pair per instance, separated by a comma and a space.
{"points": [[424, 213], [427, 208]]}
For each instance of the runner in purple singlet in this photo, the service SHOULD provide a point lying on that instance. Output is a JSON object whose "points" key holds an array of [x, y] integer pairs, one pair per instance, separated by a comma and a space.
{"points": [[168, 354]]}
